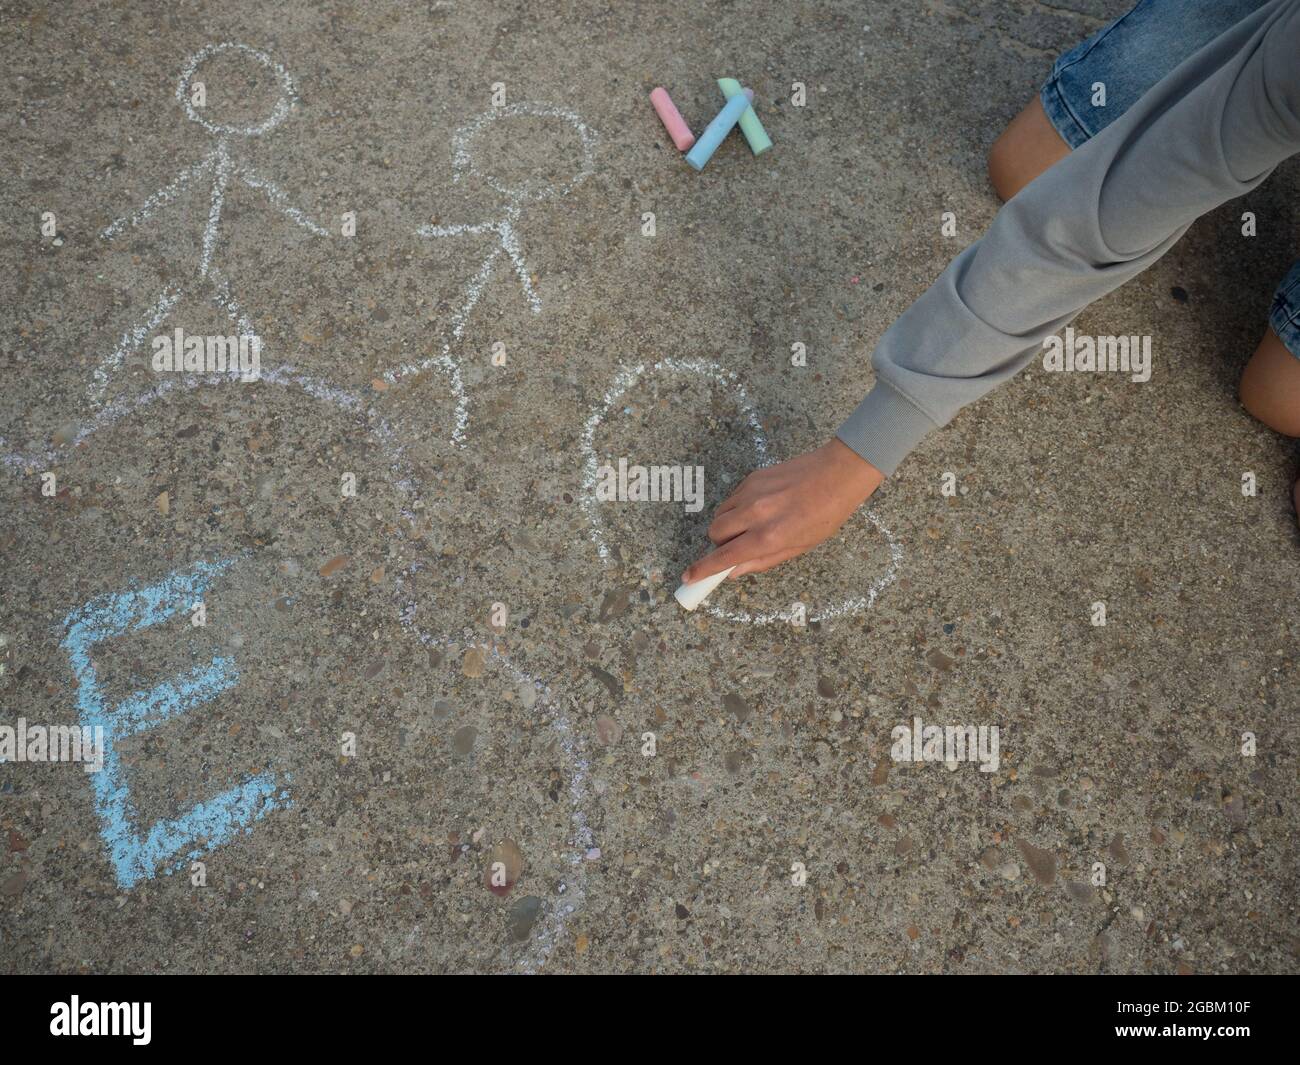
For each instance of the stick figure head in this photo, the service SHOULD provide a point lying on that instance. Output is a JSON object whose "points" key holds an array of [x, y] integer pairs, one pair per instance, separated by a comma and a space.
{"points": [[279, 112], [463, 146]]}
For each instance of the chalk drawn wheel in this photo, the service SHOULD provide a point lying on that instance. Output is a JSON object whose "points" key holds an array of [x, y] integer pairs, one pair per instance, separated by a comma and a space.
{"points": [[507, 818], [209, 469], [690, 412]]}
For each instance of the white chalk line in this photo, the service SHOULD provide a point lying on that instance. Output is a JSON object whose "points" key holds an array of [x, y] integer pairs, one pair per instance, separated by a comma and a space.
{"points": [[624, 379], [224, 168], [220, 179], [503, 229], [283, 104], [444, 360], [474, 287], [573, 890], [462, 159], [159, 199], [228, 304], [279, 200], [507, 241], [219, 160], [111, 413], [132, 339]]}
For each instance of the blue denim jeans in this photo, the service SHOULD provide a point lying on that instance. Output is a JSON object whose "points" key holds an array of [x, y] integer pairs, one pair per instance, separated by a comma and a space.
{"points": [[1126, 58]]}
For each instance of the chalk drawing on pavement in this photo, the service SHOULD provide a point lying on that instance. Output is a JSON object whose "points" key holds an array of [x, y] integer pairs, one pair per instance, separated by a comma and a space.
{"points": [[724, 379], [134, 857], [502, 228], [220, 166], [550, 708], [137, 852]]}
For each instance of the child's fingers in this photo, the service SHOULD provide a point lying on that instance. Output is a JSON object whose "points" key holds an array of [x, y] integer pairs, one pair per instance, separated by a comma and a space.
{"points": [[744, 548], [728, 526], [731, 502], [743, 491], [766, 562]]}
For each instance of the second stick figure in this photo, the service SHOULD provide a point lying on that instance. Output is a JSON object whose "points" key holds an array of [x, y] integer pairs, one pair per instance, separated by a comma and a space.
{"points": [[502, 228]]}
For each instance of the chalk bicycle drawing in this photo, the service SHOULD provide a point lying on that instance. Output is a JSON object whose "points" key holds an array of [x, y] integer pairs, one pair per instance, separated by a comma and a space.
{"points": [[221, 166], [140, 853], [719, 375], [502, 228]]}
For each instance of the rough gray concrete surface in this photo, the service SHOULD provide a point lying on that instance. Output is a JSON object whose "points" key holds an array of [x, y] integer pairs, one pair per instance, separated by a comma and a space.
{"points": [[372, 615]]}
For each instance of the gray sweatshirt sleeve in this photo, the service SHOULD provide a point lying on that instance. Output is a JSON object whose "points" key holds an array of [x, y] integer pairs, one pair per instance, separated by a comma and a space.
{"points": [[1211, 130]]}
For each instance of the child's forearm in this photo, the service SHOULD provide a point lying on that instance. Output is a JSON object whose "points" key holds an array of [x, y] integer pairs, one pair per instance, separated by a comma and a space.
{"points": [[1211, 130]]}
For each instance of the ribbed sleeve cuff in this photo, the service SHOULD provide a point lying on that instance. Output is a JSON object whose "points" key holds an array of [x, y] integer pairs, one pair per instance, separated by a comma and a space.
{"points": [[884, 428]]}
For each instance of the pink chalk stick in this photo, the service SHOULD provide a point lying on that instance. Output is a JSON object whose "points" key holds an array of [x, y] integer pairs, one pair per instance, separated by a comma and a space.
{"points": [[672, 119]]}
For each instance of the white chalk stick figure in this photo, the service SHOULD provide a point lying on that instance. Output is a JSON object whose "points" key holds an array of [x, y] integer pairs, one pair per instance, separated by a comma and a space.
{"points": [[221, 166], [502, 227]]}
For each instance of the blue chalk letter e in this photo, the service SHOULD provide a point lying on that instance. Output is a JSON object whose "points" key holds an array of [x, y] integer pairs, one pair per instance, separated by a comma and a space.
{"points": [[137, 855]]}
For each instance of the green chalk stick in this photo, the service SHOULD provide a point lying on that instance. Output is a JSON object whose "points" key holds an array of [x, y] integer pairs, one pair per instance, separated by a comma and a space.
{"points": [[750, 126]]}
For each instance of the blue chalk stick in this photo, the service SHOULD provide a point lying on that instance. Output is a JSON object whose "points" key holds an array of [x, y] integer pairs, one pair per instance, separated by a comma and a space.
{"points": [[716, 130]]}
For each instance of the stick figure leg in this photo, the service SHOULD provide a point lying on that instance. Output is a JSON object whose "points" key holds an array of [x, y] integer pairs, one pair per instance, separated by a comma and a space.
{"points": [[510, 243], [131, 340], [229, 305]]}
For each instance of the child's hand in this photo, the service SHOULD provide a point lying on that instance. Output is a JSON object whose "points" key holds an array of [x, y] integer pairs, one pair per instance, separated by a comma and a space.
{"points": [[782, 511]]}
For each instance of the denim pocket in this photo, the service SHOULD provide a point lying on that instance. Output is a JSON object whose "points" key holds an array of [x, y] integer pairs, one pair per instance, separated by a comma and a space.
{"points": [[1098, 80], [1284, 316]]}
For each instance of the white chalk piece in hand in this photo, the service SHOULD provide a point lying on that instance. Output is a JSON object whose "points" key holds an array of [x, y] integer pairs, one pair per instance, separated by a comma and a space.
{"points": [[692, 595]]}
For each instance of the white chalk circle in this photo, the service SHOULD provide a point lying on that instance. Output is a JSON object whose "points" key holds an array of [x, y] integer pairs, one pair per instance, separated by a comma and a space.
{"points": [[721, 377], [279, 112], [463, 141]]}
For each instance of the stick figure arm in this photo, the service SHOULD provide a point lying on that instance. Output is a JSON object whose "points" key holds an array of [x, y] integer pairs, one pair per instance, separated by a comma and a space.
{"points": [[280, 201], [161, 198]]}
